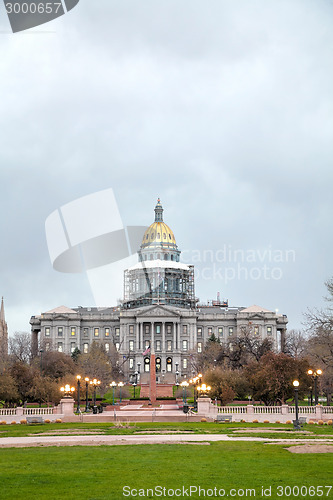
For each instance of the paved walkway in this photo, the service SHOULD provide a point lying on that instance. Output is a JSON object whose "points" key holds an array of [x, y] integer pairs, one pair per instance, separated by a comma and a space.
{"points": [[97, 440]]}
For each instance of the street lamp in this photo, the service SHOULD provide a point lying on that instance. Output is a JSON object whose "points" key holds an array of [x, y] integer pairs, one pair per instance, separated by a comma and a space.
{"points": [[184, 385], [135, 383], [113, 385], [67, 390], [78, 378], [87, 391], [120, 385], [204, 390], [95, 383], [314, 374], [296, 384]]}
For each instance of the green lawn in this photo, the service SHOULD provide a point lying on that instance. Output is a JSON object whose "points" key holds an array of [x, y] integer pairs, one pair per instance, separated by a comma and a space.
{"points": [[96, 473]]}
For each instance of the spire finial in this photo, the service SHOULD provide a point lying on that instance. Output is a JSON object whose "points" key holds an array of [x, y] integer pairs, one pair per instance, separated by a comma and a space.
{"points": [[158, 211], [2, 311]]}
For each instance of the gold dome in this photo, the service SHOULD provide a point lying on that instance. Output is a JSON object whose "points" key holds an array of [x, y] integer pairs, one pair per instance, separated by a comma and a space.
{"points": [[159, 233]]}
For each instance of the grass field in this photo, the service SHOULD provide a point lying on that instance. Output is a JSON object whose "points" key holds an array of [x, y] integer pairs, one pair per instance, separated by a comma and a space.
{"points": [[102, 473], [241, 469]]}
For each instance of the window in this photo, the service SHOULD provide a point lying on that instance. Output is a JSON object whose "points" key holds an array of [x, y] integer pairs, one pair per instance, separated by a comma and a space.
{"points": [[85, 348], [220, 331], [60, 331], [73, 331], [256, 330], [107, 332], [185, 363], [117, 331], [158, 329], [107, 347], [164, 236], [131, 329], [59, 346], [231, 330], [169, 345], [269, 330], [184, 345], [158, 365], [158, 345], [73, 346], [199, 346], [210, 330], [146, 364], [85, 332], [131, 345], [47, 331], [117, 345], [131, 363], [169, 364], [199, 331], [96, 332], [47, 346], [147, 344], [185, 329], [169, 329], [147, 329]]}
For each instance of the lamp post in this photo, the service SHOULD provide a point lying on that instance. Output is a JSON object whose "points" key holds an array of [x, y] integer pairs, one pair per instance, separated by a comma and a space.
{"points": [[204, 390], [95, 383], [296, 384], [120, 385], [67, 390], [87, 392], [184, 386], [78, 378], [135, 383], [113, 385], [314, 374]]}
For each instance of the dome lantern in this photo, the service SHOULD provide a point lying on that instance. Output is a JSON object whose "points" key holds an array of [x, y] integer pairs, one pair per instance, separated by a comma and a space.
{"points": [[158, 211]]}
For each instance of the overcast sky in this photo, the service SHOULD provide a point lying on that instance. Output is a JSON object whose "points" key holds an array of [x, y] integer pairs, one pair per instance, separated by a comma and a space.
{"points": [[223, 109]]}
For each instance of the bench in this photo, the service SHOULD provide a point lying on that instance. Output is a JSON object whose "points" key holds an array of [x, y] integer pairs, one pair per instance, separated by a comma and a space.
{"points": [[34, 420], [298, 425], [223, 418]]}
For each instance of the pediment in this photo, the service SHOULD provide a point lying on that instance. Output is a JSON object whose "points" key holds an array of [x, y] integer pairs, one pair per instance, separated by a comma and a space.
{"points": [[256, 316], [157, 311]]}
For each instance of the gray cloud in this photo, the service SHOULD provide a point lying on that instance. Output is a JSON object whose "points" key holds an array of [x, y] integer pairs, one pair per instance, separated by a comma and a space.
{"points": [[224, 110]]}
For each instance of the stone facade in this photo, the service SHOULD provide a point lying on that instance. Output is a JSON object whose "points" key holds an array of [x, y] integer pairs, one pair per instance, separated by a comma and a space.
{"points": [[159, 315]]}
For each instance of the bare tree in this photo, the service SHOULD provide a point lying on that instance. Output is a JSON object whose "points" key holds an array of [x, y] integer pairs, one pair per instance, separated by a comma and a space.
{"points": [[295, 343], [20, 347]]}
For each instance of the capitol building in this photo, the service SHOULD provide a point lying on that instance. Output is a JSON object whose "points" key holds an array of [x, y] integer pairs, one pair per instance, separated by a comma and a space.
{"points": [[159, 314]]}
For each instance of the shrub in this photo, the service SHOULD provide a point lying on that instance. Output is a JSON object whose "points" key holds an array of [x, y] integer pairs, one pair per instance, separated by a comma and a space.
{"points": [[13, 422], [23, 421], [277, 422], [255, 421], [320, 422], [58, 421], [311, 422], [329, 422], [266, 421], [203, 420], [47, 421], [288, 422], [3, 422]]}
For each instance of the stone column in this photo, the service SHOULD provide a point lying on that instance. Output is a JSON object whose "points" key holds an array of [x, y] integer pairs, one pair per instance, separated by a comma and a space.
{"points": [[152, 337], [163, 336], [67, 406], [204, 406], [141, 335], [137, 337], [178, 336], [319, 412], [174, 337]]}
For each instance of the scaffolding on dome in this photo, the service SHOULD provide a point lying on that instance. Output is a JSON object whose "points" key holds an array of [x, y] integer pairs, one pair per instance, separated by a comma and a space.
{"points": [[172, 286]]}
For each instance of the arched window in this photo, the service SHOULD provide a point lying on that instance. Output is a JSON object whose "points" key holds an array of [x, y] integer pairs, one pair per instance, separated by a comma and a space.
{"points": [[158, 365], [165, 256], [171, 257], [147, 364], [169, 364]]}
